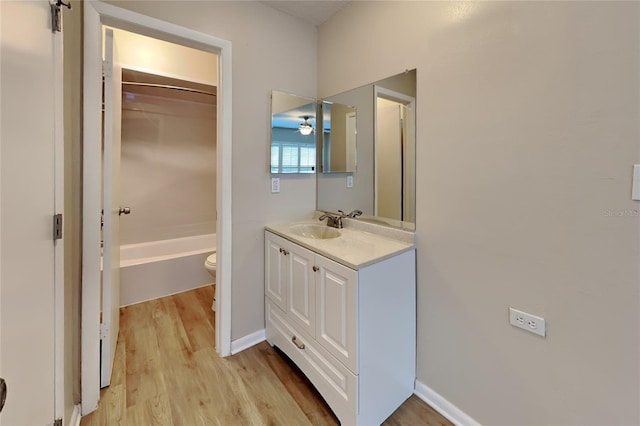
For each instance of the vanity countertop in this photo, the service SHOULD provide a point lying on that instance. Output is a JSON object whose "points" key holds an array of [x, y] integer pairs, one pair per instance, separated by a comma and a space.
{"points": [[354, 248]]}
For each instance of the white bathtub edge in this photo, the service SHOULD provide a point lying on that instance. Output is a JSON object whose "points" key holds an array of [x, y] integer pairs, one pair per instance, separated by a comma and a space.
{"points": [[248, 341], [145, 260], [160, 297], [150, 281]]}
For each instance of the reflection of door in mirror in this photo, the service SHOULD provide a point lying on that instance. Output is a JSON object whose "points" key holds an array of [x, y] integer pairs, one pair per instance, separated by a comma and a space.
{"points": [[394, 174], [338, 138]]}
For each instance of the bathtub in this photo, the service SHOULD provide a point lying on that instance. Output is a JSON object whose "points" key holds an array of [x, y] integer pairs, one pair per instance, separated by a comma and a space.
{"points": [[162, 268]]}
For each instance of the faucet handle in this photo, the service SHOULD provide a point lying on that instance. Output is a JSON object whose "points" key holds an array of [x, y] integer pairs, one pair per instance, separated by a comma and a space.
{"points": [[333, 220], [326, 215]]}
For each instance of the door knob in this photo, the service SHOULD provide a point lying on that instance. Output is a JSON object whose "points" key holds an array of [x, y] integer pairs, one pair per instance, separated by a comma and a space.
{"points": [[124, 210]]}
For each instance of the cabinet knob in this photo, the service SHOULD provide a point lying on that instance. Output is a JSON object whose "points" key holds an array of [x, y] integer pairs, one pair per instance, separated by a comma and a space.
{"points": [[300, 345], [315, 268], [285, 252]]}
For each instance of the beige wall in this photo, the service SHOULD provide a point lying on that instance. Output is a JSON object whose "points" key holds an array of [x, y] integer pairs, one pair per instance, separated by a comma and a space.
{"points": [[168, 170], [72, 232], [147, 54], [271, 50], [527, 128]]}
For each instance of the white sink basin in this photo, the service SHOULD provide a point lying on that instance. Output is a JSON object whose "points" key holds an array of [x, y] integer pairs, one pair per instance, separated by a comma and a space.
{"points": [[320, 232]]}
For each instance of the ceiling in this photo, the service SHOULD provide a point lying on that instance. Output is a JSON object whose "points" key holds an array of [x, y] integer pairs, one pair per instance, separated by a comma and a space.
{"points": [[312, 11]]}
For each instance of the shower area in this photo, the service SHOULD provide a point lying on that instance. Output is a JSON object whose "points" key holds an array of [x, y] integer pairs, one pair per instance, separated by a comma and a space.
{"points": [[168, 179]]}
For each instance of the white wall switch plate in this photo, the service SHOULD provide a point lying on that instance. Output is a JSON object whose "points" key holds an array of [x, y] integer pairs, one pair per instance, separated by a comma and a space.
{"points": [[275, 185], [531, 323], [350, 181], [635, 186]]}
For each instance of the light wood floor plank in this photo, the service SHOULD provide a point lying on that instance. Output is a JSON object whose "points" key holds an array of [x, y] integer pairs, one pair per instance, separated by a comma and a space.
{"points": [[166, 372], [199, 330]]}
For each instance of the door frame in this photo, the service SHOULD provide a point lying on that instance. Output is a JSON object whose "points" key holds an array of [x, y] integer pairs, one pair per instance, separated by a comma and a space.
{"points": [[97, 14], [58, 251]]}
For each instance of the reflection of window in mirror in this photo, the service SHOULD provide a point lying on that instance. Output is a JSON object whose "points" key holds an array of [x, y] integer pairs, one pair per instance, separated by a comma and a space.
{"points": [[293, 141], [287, 157]]}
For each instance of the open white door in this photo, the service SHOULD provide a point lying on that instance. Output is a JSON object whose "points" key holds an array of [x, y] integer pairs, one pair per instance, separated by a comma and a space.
{"points": [[111, 206], [394, 138], [28, 81]]}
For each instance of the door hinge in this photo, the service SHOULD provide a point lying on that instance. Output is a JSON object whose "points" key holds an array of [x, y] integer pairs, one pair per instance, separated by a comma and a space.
{"points": [[104, 331], [107, 69], [57, 226], [57, 422], [56, 14]]}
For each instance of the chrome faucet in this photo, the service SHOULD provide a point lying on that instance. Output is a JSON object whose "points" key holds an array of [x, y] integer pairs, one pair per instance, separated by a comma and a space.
{"points": [[333, 220], [353, 214]]}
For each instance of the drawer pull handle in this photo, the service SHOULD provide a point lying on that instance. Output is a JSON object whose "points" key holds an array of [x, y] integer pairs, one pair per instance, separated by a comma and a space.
{"points": [[316, 269], [300, 345]]}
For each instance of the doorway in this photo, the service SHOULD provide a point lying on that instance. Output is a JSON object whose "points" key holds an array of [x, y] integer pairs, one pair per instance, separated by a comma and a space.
{"points": [[96, 15]]}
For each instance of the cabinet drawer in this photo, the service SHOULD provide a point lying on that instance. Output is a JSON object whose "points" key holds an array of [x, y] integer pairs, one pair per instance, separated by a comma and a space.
{"points": [[332, 379]]}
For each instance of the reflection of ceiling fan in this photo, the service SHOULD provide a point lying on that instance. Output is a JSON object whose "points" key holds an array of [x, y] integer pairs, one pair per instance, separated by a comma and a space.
{"points": [[305, 128]]}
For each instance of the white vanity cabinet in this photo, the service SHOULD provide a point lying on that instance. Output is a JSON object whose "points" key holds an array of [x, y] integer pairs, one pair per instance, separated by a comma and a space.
{"points": [[351, 331], [290, 281]]}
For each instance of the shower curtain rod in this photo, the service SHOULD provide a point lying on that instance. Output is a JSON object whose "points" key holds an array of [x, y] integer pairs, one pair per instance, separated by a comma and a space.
{"points": [[167, 86]]}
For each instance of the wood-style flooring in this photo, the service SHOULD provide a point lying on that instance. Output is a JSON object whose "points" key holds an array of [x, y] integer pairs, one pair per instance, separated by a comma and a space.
{"points": [[167, 372]]}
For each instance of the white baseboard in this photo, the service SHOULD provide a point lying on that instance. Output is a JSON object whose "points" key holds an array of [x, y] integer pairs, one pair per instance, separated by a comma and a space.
{"points": [[75, 416], [443, 406], [246, 342]]}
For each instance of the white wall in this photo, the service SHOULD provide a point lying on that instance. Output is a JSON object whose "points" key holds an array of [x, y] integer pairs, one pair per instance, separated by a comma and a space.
{"points": [[527, 129], [160, 57], [271, 50]]}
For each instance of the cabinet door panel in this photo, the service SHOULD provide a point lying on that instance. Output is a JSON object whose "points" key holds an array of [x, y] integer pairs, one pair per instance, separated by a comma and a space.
{"points": [[337, 310], [275, 271], [301, 306]]}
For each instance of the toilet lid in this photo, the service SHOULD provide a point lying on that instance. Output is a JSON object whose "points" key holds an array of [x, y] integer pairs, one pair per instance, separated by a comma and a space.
{"points": [[211, 259]]}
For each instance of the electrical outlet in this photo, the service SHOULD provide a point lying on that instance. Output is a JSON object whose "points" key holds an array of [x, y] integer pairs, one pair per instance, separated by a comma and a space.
{"points": [[528, 322], [350, 181], [275, 185]]}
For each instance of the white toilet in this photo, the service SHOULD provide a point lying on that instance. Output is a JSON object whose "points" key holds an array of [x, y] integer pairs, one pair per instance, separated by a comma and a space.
{"points": [[210, 264]]}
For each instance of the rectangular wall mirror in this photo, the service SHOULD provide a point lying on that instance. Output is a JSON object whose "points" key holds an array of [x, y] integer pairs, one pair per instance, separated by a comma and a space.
{"points": [[293, 133], [382, 184]]}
